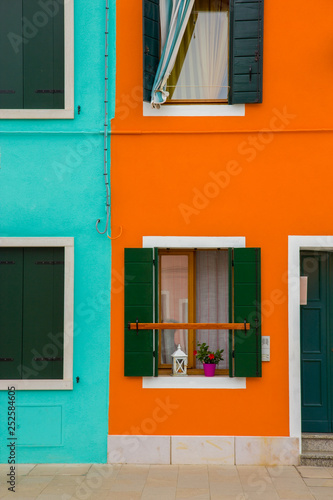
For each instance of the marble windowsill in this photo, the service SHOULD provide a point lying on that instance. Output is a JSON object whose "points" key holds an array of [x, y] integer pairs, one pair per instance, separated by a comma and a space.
{"points": [[193, 382]]}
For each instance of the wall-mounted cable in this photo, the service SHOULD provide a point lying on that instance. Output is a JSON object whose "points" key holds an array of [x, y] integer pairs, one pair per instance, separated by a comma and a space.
{"points": [[106, 105]]}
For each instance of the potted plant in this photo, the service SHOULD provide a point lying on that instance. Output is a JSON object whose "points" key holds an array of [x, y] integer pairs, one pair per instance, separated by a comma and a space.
{"points": [[208, 358]]}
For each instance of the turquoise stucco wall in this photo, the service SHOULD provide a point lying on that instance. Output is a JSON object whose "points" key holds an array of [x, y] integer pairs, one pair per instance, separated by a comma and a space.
{"points": [[51, 184]]}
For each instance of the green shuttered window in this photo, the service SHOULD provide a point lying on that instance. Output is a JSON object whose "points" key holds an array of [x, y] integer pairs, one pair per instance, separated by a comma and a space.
{"points": [[141, 303], [245, 49], [32, 54], [31, 313]]}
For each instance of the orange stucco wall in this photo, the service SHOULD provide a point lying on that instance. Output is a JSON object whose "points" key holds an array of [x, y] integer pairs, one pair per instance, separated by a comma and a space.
{"points": [[275, 171]]}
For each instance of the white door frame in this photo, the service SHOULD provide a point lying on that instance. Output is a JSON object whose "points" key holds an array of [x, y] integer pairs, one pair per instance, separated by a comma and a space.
{"points": [[295, 245]]}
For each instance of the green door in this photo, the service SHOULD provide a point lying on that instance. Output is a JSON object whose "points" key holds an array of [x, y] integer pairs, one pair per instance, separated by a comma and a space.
{"points": [[317, 342]]}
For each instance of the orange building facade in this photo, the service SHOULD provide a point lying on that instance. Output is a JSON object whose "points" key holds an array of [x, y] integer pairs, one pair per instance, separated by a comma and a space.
{"points": [[223, 176]]}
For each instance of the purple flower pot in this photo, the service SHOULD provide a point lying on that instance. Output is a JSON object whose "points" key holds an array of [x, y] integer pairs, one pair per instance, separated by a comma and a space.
{"points": [[209, 369]]}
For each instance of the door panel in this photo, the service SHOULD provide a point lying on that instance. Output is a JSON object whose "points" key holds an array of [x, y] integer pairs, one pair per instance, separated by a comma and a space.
{"points": [[315, 343]]}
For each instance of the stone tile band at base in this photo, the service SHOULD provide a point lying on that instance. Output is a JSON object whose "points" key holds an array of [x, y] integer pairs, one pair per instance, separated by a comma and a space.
{"points": [[220, 450]]}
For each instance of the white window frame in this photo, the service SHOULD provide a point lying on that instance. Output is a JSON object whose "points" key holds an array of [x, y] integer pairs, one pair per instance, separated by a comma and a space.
{"points": [[195, 381], [67, 382], [68, 111]]}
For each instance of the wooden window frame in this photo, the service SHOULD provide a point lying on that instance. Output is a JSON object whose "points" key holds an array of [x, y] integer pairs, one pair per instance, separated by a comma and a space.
{"points": [[165, 369], [176, 102]]}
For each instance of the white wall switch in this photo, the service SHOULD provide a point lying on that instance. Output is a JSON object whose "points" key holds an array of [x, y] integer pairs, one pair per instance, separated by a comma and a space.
{"points": [[265, 348]]}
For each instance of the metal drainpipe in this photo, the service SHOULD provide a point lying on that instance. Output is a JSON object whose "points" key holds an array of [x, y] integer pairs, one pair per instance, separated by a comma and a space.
{"points": [[106, 104]]}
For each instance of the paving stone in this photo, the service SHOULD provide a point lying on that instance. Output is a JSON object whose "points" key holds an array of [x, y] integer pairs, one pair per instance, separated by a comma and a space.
{"points": [[314, 472], [169, 482]]}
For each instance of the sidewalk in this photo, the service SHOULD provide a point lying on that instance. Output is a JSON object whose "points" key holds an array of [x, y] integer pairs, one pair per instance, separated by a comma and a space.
{"points": [[166, 482]]}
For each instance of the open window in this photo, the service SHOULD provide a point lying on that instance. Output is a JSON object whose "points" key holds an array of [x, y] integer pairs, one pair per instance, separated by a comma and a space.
{"points": [[195, 287], [36, 59], [202, 51], [192, 286]]}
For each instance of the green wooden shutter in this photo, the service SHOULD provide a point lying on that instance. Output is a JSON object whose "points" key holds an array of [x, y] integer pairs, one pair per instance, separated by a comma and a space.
{"points": [[151, 45], [11, 298], [157, 309], [140, 346], [11, 54], [43, 313], [44, 56], [246, 51], [246, 280]]}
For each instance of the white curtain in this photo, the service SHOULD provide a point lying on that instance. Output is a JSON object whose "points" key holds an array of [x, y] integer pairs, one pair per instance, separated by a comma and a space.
{"points": [[204, 73], [174, 15], [212, 301], [174, 303]]}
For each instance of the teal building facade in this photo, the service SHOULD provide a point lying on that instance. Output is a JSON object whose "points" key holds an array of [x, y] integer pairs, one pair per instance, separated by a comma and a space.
{"points": [[55, 265]]}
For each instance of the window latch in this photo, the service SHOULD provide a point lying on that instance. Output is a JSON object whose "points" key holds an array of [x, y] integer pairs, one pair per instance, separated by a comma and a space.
{"points": [[250, 73], [48, 359], [137, 326], [49, 91], [245, 326]]}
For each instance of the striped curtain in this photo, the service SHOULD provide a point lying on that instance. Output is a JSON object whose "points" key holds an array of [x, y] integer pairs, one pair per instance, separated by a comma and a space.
{"points": [[174, 15]]}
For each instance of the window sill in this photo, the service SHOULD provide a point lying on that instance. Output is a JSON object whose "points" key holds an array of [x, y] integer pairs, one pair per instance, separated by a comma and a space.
{"points": [[193, 382], [36, 114], [195, 110], [41, 385]]}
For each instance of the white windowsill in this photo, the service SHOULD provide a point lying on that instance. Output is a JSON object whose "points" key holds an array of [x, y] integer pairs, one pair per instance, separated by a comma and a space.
{"points": [[193, 382], [40, 385], [41, 114], [195, 110], [193, 241]]}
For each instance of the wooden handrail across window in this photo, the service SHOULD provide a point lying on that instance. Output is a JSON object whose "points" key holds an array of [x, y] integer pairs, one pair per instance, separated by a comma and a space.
{"points": [[189, 326]]}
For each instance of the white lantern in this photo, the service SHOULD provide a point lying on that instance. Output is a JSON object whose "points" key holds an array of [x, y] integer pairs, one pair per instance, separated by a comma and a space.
{"points": [[179, 364]]}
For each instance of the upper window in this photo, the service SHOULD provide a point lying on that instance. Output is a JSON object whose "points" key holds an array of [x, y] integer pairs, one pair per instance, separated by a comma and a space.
{"points": [[203, 51], [36, 59], [36, 313], [200, 72]]}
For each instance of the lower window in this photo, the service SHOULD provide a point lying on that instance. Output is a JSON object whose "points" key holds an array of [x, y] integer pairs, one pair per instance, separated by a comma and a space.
{"points": [[193, 288], [34, 289], [203, 287]]}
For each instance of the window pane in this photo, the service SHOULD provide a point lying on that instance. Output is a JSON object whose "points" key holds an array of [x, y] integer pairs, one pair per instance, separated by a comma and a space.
{"points": [[201, 68], [212, 301], [174, 303]]}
